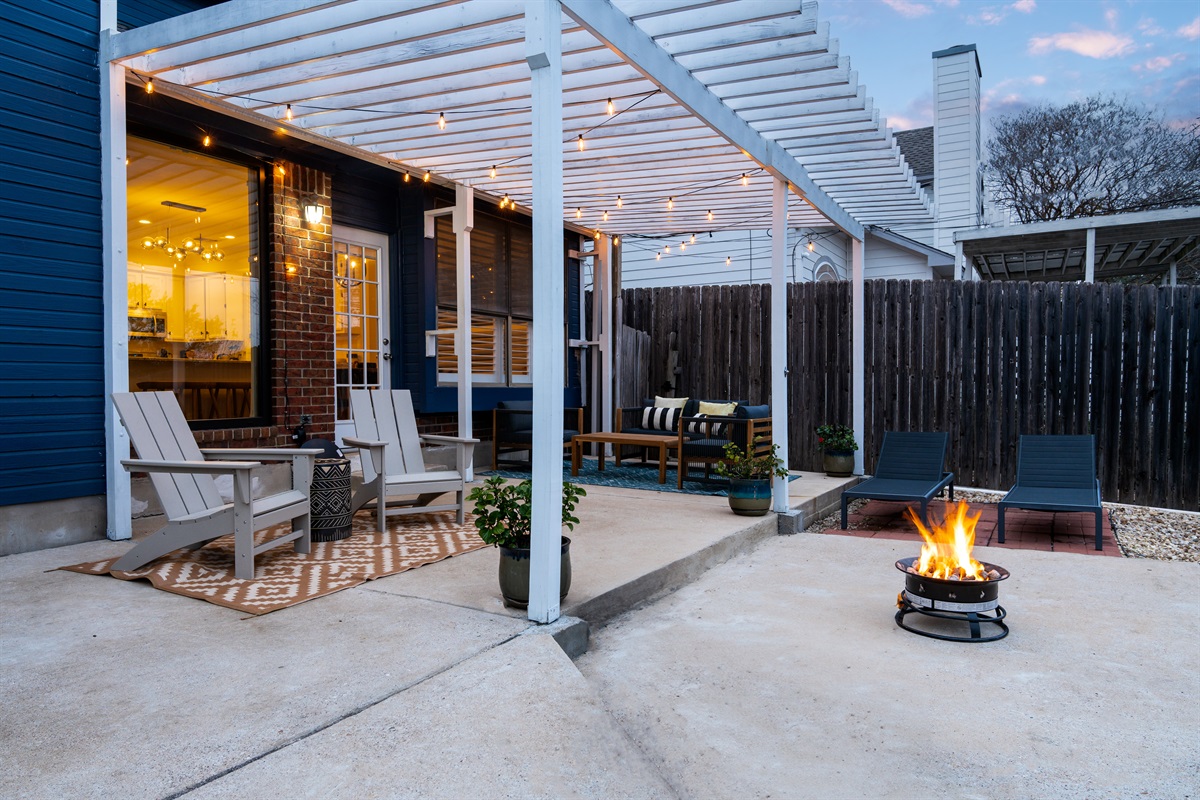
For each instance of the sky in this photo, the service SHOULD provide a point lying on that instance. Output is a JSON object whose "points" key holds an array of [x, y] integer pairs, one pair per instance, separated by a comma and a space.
{"points": [[1030, 52]]}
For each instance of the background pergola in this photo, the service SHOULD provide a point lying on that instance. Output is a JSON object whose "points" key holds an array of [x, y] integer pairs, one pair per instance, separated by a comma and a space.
{"points": [[726, 114]]}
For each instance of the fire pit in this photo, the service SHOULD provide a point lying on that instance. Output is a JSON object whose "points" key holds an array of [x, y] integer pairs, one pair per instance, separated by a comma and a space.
{"points": [[946, 582]]}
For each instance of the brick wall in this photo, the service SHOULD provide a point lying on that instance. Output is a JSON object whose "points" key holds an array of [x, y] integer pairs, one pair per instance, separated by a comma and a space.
{"points": [[299, 278]]}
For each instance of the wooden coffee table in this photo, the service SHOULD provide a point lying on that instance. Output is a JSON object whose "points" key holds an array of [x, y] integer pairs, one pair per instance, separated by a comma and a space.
{"points": [[664, 443]]}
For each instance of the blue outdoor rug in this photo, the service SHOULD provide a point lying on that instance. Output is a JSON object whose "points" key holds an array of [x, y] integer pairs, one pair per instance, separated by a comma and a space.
{"points": [[630, 475]]}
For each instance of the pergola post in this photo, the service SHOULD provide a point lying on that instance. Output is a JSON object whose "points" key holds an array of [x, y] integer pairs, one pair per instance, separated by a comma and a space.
{"points": [[779, 380], [543, 52], [602, 317], [115, 270], [857, 351], [463, 221], [1089, 257]]}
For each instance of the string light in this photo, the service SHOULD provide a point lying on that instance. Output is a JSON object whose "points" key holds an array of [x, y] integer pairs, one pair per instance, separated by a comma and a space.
{"points": [[427, 176], [207, 140], [693, 241], [581, 145], [710, 217], [667, 248], [728, 261], [150, 86], [611, 108], [618, 201], [579, 213], [616, 241], [745, 180], [288, 114], [441, 121], [596, 235], [670, 203], [492, 172], [658, 256], [682, 246], [604, 216], [505, 201], [810, 245], [406, 177]]}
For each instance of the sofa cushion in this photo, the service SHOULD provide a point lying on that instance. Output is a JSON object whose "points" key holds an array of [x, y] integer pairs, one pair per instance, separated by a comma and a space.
{"points": [[661, 419], [670, 402], [716, 409]]}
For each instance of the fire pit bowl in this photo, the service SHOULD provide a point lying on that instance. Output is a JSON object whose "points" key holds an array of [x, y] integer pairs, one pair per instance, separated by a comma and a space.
{"points": [[963, 600]]}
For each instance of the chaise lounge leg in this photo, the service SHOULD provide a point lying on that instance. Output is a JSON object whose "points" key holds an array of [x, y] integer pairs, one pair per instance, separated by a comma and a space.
{"points": [[845, 522], [1000, 525], [1100, 529]]}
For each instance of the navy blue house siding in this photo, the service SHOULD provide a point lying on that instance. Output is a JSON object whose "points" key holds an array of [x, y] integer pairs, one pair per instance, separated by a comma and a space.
{"points": [[51, 311]]}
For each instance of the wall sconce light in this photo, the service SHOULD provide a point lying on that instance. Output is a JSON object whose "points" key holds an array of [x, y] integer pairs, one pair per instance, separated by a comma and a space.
{"points": [[313, 212]]}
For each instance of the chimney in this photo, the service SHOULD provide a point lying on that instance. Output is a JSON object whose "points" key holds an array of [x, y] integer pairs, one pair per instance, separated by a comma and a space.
{"points": [[957, 149]]}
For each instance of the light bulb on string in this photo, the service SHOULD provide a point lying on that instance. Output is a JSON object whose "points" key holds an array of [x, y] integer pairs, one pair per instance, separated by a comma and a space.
{"points": [[492, 172], [710, 216], [745, 180], [604, 216], [207, 140], [150, 86], [658, 256], [427, 176], [579, 213], [611, 108], [288, 113], [682, 246], [670, 203], [810, 245], [619, 201], [581, 145], [441, 121], [693, 241], [667, 248], [728, 261], [616, 241], [596, 235]]}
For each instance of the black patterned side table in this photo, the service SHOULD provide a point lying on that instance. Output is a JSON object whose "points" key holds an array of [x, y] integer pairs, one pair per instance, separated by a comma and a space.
{"points": [[330, 500]]}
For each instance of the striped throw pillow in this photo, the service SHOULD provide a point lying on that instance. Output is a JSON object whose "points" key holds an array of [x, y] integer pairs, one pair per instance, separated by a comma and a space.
{"points": [[710, 430], [661, 419]]}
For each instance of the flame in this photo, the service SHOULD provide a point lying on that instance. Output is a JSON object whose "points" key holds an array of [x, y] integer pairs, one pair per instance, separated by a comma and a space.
{"points": [[946, 552]]}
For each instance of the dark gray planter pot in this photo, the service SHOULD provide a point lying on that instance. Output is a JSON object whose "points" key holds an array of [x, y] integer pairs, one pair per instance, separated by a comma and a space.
{"points": [[514, 574], [839, 465]]}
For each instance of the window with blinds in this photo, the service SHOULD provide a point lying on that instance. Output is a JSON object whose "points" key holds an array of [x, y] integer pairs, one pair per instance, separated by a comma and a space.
{"points": [[501, 302]]}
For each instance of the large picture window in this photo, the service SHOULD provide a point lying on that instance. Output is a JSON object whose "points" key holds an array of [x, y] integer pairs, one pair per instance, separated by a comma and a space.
{"points": [[501, 302], [194, 280]]}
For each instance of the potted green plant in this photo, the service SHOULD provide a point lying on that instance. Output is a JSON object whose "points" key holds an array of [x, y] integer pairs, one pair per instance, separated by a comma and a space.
{"points": [[838, 445], [502, 516], [750, 475]]}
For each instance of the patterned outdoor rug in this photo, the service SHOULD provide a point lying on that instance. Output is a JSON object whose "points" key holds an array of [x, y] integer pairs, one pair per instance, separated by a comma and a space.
{"points": [[285, 578], [630, 475]]}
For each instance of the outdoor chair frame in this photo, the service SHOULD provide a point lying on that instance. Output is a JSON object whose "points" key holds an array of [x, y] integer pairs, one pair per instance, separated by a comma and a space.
{"points": [[911, 468], [1056, 473]]}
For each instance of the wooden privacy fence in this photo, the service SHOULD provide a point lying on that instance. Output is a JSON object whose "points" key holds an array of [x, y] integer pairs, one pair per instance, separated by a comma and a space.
{"points": [[986, 361]]}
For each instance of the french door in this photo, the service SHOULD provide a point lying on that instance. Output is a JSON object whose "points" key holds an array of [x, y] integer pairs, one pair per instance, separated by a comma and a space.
{"points": [[361, 352]]}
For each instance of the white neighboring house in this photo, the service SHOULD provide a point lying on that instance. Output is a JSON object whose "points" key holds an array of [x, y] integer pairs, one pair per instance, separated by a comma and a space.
{"points": [[945, 159]]}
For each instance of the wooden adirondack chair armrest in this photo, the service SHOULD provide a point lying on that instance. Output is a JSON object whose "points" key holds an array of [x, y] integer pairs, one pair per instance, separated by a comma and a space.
{"points": [[240, 470], [265, 453], [437, 439], [373, 447]]}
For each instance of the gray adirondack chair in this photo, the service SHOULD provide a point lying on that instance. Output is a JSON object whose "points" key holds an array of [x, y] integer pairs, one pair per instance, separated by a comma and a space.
{"points": [[1056, 473], [182, 475], [392, 464]]}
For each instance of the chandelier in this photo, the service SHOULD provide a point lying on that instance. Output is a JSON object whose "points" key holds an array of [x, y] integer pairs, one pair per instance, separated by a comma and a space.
{"points": [[200, 246]]}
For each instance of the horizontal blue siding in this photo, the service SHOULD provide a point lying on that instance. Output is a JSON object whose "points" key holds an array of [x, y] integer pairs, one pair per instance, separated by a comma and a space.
{"points": [[51, 277]]}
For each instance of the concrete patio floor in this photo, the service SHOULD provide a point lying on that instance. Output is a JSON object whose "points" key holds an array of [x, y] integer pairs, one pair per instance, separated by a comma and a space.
{"points": [[775, 670]]}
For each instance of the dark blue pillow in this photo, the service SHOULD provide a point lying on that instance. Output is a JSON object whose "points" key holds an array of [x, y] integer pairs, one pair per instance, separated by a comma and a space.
{"points": [[752, 412]]}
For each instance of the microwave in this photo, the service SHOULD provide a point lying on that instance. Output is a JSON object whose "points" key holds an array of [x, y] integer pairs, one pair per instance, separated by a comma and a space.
{"points": [[148, 323]]}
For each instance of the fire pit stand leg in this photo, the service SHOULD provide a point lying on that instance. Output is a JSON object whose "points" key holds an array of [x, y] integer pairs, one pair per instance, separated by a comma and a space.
{"points": [[972, 618]]}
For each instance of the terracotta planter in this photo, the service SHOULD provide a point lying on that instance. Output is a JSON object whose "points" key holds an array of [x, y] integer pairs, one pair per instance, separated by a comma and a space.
{"points": [[839, 465], [750, 497], [514, 574]]}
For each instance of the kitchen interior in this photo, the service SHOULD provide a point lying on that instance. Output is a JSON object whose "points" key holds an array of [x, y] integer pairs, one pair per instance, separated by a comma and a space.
{"points": [[193, 285]]}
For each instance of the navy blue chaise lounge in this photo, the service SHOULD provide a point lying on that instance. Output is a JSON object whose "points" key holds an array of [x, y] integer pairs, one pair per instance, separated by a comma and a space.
{"points": [[1056, 473], [911, 469]]}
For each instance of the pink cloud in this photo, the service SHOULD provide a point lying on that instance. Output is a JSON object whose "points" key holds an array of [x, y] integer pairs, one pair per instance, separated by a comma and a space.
{"points": [[1024, 6], [1093, 44], [1158, 63], [1149, 27], [907, 8], [1191, 30]]}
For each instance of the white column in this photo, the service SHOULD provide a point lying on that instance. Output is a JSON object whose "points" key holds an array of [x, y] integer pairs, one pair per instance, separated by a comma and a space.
{"points": [[115, 266], [602, 316], [464, 222], [857, 351], [1089, 257], [1172, 275], [543, 52], [779, 380]]}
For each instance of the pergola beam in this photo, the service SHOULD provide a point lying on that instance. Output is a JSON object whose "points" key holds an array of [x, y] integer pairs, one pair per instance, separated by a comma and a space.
{"points": [[618, 32]]}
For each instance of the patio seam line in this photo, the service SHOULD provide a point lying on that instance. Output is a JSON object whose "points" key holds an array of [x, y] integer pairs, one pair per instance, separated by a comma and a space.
{"points": [[496, 614], [325, 726]]}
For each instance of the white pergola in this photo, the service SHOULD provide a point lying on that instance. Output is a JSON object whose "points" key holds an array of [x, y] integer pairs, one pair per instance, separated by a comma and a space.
{"points": [[693, 115]]}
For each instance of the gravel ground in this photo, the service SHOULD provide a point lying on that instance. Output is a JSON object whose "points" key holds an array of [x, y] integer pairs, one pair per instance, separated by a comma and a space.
{"points": [[1142, 532]]}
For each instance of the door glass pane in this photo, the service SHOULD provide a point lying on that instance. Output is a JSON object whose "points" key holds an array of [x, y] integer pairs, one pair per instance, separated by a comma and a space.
{"points": [[356, 325]]}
